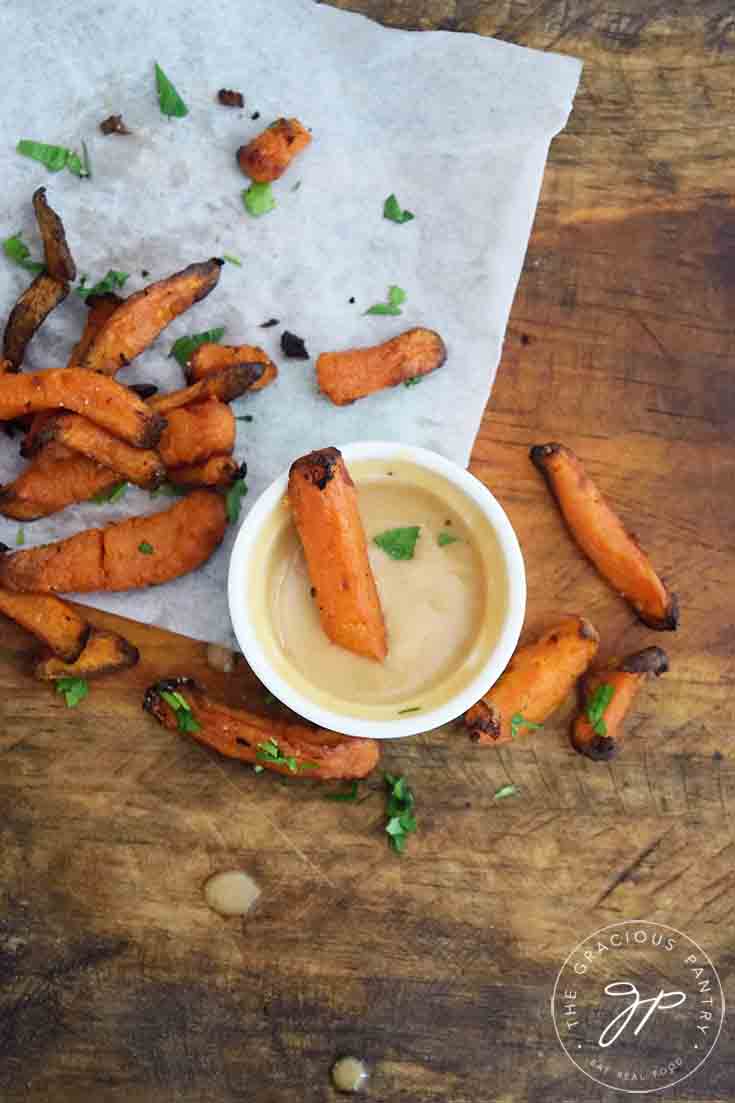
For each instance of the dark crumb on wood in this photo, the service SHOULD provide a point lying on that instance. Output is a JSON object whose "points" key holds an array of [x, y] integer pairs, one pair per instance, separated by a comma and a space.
{"points": [[113, 124], [312, 591], [389, 472], [447, 522], [228, 97], [717, 756], [293, 346], [351, 299], [255, 115], [269, 323], [525, 339]]}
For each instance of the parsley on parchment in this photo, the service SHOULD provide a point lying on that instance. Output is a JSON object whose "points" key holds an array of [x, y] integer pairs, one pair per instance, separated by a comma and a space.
{"points": [[114, 494], [393, 211], [183, 348], [396, 297], [108, 283], [258, 199], [16, 249], [169, 100]]}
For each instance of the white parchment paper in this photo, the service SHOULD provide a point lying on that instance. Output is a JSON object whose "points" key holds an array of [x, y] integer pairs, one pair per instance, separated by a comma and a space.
{"points": [[458, 126]]}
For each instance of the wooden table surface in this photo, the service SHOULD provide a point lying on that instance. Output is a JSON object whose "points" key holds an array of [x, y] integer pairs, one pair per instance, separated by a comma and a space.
{"points": [[118, 984]]}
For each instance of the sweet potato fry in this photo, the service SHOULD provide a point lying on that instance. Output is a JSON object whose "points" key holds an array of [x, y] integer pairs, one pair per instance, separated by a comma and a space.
{"points": [[346, 376], [102, 400], [196, 432], [100, 308], [36, 302], [139, 320], [140, 551], [54, 479], [49, 620], [140, 466], [225, 386], [607, 696], [600, 534], [324, 506], [288, 748], [267, 157], [534, 684], [211, 358], [219, 471], [104, 653], [59, 261]]}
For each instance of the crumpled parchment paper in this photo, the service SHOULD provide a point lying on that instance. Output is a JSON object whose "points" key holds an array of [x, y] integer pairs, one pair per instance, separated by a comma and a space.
{"points": [[456, 125]]}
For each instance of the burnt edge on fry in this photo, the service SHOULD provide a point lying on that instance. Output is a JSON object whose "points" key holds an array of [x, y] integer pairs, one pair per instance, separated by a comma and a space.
{"points": [[601, 749], [228, 97], [57, 254], [153, 428], [670, 621], [485, 721], [18, 335], [324, 458], [152, 697], [651, 660]]}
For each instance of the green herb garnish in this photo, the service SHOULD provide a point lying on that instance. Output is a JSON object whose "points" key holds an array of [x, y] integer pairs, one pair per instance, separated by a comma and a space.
{"points": [[258, 199], [20, 538], [394, 213], [596, 706], [114, 494], [445, 538], [145, 548], [169, 100], [505, 791], [233, 499], [413, 708], [399, 543], [54, 158], [413, 381], [232, 260], [518, 721], [185, 720], [396, 297], [244, 417], [269, 751], [16, 249], [109, 283], [183, 348], [73, 690], [399, 808], [348, 795]]}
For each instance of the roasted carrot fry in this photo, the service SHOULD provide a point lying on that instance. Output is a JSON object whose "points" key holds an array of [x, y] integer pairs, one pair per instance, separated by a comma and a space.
{"points": [[196, 432], [59, 261], [268, 156], [104, 653], [346, 376], [607, 697], [140, 551], [288, 748], [49, 620], [324, 506], [220, 471], [141, 466], [600, 534], [226, 385], [100, 308], [102, 400], [139, 320], [210, 358], [534, 684], [54, 479], [36, 302]]}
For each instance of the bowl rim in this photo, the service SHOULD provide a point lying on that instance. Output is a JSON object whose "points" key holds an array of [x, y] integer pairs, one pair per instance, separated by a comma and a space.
{"points": [[458, 703]]}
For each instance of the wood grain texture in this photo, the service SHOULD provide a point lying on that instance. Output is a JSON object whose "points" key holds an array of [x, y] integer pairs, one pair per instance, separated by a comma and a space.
{"points": [[117, 983]]}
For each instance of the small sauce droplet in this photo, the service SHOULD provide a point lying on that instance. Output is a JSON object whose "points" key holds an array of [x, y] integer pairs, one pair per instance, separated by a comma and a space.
{"points": [[231, 892], [349, 1074]]}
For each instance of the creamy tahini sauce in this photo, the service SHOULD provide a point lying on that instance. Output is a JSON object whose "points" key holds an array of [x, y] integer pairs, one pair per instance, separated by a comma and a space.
{"points": [[433, 604]]}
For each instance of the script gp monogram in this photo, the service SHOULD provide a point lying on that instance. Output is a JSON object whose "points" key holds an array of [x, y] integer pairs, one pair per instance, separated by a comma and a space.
{"points": [[660, 1002]]}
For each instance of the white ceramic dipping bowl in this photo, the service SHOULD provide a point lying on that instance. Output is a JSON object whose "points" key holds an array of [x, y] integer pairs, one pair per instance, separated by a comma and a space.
{"points": [[487, 655]]}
